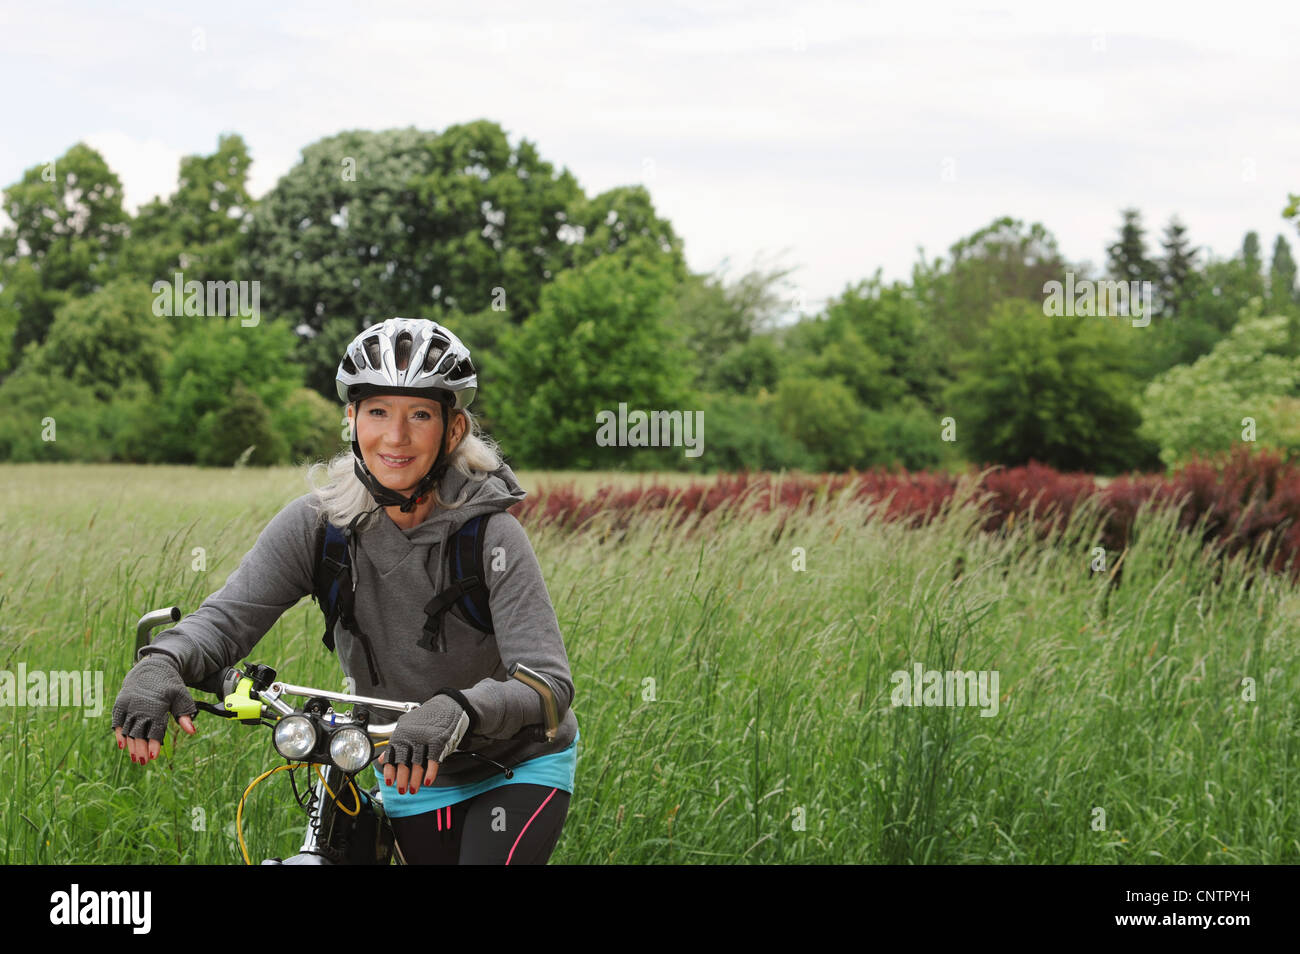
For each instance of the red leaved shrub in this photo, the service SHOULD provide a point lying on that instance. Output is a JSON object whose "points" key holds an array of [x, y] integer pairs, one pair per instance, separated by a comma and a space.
{"points": [[1243, 502]]}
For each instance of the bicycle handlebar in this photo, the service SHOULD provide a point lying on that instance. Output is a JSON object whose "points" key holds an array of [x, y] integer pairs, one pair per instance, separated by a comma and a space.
{"points": [[220, 683]]}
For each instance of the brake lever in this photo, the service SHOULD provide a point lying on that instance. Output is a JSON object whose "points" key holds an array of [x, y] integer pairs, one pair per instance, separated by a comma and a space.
{"points": [[215, 710]]}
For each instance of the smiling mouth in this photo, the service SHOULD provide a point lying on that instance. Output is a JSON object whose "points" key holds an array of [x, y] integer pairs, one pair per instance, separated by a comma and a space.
{"points": [[395, 461]]}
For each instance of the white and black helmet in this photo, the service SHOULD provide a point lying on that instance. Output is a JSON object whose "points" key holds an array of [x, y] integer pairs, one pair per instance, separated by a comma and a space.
{"points": [[412, 356], [407, 356]]}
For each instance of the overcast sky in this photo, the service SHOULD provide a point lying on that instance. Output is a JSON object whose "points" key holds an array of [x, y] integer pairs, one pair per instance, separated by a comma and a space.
{"points": [[832, 137]]}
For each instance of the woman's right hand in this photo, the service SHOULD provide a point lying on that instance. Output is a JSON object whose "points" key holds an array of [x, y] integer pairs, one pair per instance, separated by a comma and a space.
{"points": [[151, 691]]}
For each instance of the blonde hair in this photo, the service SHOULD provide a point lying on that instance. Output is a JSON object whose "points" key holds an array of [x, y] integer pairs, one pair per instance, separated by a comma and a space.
{"points": [[344, 496]]}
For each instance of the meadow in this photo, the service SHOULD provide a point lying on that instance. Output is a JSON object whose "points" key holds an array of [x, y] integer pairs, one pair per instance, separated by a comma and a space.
{"points": [[733, 677]]}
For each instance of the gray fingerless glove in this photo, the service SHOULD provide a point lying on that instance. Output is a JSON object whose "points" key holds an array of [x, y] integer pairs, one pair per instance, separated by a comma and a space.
{"points": [[429, 733], [151, 690]]}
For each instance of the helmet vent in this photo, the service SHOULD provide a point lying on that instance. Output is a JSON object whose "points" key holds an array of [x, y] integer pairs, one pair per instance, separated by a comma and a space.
{"points": [[348, 364], [437, 348], [372, 352], [403, 350], [464, 368]]}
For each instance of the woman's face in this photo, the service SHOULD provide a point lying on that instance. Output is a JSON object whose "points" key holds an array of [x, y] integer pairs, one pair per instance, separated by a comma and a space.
{"points": [[399, 437]]}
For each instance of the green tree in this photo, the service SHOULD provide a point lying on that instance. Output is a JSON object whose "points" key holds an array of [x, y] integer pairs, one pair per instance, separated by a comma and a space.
{"points": [[1217, 295], [243, 422], [1282, 290], [49, 418], [823, 415], [106, 340], [1056, 390], [310, 425], [624, 217], [199, 381], [1178, 270], [330, 243], [1292, 208], [1202, 407], [198, 231], [23, 297], [892, 321], [320, 352], [1252, 262], [910, 435], [602, 335], [490, 217], [68, 224], [1127, 258], [483, 332], [747, 368], [1005, 260], [370, 225], [831, 348], [1226, 287], [720, 318], [743, 432]]}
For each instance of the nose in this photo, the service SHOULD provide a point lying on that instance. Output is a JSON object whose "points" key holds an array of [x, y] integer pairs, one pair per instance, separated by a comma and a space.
{"points": [[397, 431]]}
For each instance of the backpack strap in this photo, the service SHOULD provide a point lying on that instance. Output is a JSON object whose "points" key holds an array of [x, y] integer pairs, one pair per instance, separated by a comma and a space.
{"points": [[467, 565], [468, 588], [334, 592], [333, 576]]}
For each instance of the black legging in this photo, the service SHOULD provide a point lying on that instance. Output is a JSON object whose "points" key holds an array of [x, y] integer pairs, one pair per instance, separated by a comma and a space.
{"points": [[510, 825]]}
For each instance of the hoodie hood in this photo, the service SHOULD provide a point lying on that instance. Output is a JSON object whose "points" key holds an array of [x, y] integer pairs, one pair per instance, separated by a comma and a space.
{"points": [[387, 545], [498, 491]]}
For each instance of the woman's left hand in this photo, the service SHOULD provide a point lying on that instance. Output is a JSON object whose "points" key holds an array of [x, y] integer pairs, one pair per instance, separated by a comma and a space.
{"points": [[422, 739]]}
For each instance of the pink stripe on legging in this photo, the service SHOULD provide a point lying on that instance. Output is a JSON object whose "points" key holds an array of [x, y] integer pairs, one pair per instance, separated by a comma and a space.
{"points": [[529, 822]]}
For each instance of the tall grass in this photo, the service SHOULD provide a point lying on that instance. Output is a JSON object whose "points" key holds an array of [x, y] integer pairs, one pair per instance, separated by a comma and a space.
{"points": [[733, 709]]}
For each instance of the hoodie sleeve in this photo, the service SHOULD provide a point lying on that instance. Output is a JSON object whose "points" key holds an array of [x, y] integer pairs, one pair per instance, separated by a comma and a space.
{"points": [[270, 579], [526, 631]]}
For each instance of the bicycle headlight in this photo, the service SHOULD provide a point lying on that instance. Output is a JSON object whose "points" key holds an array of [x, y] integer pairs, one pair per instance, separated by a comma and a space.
{"points": [[295, 737], [351, 749]]}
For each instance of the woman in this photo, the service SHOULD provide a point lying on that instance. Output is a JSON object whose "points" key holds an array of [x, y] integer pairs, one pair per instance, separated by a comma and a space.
{"points": [[417, 471]]}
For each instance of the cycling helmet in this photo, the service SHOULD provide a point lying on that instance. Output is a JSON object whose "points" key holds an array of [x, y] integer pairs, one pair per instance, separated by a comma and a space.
{"points": [[412, 356], [407, 356]]}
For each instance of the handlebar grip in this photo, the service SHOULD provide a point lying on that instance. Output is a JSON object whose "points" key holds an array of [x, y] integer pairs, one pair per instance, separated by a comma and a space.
{"points": [[151, 621], [218, 683], [539, 684]]}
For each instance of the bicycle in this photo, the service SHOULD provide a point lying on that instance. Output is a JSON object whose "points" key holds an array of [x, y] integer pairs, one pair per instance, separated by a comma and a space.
{"points": [[338, 745]]}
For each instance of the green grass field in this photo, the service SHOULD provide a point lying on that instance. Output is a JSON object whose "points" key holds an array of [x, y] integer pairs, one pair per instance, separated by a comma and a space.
{"points": [[733, 708]]}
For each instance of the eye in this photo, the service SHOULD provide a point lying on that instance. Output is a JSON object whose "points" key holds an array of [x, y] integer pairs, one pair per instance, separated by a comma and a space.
{"points": [[380, 410]]}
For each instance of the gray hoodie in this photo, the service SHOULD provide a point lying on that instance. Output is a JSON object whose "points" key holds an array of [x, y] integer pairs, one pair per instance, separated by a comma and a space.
{"points": [[396, 572]]}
